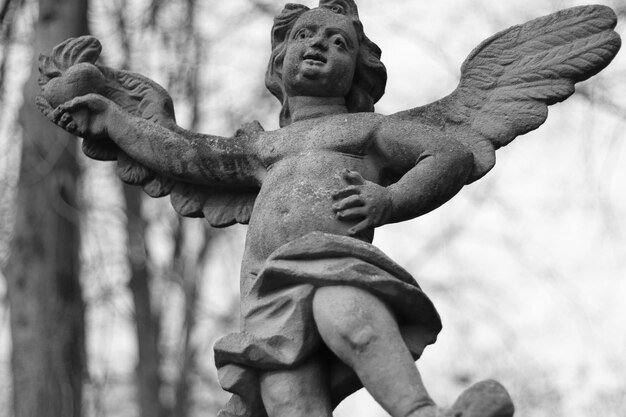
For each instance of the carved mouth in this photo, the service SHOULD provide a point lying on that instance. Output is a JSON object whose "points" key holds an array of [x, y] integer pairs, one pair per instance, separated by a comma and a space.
{"points": [[315, 57]]}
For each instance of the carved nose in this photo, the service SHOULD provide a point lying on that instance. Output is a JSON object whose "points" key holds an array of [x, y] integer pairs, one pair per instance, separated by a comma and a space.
{"points": [[319, 42]]}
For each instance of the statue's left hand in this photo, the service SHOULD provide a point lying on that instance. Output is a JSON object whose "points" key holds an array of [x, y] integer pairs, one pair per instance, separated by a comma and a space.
{"points": [[88, 116], [362, 200]]}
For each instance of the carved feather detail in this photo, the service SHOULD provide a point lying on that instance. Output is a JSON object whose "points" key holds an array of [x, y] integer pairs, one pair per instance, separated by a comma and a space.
{"points": [[85, 49], [535, 65], [509, 80], [142, 97]]}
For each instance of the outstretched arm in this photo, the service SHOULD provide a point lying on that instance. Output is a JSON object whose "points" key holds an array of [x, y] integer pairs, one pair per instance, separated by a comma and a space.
{"points": [[168, 150]]}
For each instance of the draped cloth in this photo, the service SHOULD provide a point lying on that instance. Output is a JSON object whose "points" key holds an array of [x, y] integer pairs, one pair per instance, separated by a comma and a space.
{"points": [[278, 330]]}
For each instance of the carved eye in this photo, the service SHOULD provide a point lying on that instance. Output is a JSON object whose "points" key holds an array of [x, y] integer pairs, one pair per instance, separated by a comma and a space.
{"points": [[338, 10], [339, 42], [302, 34]]}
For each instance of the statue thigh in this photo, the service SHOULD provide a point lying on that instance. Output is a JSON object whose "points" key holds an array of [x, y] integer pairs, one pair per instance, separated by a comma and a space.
{"points": [[351, 320]]}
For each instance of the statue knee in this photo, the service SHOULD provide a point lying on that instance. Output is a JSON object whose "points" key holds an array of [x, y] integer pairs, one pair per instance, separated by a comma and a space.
{"points": [[296, 392], [275, 392], [345, 319], [279, 397]]}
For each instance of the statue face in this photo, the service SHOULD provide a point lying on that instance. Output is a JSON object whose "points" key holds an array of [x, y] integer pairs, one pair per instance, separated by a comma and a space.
{"points": [[321, 55]]}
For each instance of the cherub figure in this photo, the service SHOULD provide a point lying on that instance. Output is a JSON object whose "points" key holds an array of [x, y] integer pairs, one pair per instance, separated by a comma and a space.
{"points": [[323, 312]]}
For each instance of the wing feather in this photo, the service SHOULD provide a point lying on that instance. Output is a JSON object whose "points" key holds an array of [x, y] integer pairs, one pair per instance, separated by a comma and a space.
{"points": [[510, 79], [142, 97]]}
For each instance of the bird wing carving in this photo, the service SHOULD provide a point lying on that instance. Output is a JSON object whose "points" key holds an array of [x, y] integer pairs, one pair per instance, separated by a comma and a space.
{"points": [[510, 79], [140, 97]]}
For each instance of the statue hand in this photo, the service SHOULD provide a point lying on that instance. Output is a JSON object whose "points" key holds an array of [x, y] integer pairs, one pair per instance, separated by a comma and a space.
{"points": [[362, 200], [86, 116]]}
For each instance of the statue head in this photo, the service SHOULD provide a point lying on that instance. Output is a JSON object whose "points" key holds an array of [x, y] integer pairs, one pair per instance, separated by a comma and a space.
{"points": [[369, 76]]}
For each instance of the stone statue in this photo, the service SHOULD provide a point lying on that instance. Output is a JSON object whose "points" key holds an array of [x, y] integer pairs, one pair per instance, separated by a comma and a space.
{"points": [[323, 312]]}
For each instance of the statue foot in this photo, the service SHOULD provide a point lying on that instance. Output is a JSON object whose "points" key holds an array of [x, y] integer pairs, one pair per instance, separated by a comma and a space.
{"points": [[484, 399]]}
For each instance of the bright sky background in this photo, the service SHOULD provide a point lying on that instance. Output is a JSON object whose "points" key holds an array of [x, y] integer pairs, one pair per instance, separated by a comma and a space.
{"points": [[527, 266]]}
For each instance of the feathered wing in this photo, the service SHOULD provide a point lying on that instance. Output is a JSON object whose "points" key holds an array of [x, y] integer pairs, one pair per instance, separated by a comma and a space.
{"points": [[142, 97], [509, 80]]}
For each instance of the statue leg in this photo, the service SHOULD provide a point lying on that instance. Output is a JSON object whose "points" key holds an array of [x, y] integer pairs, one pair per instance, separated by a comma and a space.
{"points": [[298, 392], [362, 331]]}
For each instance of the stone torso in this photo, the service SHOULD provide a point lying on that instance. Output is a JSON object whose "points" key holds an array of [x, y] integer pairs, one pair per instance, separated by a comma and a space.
{"points": [[304, 163]]}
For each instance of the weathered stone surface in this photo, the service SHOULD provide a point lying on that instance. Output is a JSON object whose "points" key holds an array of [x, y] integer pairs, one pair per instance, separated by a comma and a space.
{"points": [[323, 311], [484, 399]]}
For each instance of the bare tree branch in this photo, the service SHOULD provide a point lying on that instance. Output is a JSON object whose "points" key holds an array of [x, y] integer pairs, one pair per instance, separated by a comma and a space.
{"points": [[7, 6], [603, 101], [267, 8], [152, 14]]}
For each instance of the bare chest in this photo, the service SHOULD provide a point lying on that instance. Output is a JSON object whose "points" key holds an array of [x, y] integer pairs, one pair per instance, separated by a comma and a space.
{"points": [[349, 134]]}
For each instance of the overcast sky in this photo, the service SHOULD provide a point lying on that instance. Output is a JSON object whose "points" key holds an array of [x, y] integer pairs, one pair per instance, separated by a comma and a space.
{"points": [[527, 266]]}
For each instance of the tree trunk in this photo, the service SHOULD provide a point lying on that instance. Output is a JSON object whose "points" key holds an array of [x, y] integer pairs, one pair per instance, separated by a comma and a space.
{"points": [[47, 310], [147, 321]]}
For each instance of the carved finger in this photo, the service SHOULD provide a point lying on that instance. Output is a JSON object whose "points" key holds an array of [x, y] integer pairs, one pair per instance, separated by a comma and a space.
{"points": [[352, 214], [89, 101], [364, 225], [65, 119], [57, 114], [73, 105], [346, 192], [349, 202], [353, 177]]}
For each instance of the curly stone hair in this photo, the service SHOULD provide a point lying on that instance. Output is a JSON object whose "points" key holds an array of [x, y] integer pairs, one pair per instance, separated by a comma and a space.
{"points": [[370, 76]]}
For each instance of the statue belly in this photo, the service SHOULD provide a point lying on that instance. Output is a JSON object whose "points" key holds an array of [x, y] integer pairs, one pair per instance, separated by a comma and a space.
{"points": [[297, 198], [289, 212]]}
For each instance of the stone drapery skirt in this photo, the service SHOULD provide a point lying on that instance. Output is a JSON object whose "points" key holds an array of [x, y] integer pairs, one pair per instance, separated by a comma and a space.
{"points": [[278, 330]]}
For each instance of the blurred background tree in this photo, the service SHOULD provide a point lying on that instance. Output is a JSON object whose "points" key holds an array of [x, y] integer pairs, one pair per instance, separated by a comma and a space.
{"points": [[526, 266], [44, 291]]}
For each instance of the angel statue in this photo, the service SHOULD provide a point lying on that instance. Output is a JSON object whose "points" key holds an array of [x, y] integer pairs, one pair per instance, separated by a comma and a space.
{"points": [[323, 311]]}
